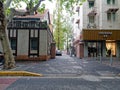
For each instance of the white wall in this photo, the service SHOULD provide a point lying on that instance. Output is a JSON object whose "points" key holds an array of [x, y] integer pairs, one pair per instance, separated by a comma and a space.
{"points": [[23, 42], [43, 42]]}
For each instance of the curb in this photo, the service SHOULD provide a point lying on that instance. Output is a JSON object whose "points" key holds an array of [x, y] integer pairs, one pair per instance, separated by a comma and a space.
{"points": [[19, 73]]}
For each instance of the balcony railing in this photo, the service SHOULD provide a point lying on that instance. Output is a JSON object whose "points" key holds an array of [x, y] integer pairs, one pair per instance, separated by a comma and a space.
{"points": [[17, 24], [91, 25]]}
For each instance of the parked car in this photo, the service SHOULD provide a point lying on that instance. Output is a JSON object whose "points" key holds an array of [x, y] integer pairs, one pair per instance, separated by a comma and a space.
{"points": [[58, 53], [1, 58]]}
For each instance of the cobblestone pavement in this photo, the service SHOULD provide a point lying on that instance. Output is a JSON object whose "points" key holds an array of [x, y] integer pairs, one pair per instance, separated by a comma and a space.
{"points": [[65, 73], [65, 84]]}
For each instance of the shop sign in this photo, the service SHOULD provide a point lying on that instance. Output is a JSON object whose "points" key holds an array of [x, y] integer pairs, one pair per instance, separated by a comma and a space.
{"points": [[105, 34]]}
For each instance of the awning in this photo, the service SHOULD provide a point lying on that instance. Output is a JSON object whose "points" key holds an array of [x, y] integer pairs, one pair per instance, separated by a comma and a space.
{"points": [[92, 13], [112, 10]]}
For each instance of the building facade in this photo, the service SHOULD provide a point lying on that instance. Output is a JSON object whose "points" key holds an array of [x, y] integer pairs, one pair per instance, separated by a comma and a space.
{"points": [[99, 28], [31, 38]]}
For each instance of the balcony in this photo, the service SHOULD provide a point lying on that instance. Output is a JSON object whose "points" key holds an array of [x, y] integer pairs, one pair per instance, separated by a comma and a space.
{"points": [[92, 12], [91, 25], [27, 24]]}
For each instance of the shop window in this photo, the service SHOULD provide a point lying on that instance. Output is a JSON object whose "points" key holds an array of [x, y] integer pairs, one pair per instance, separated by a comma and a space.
{"points": [[34, 43], [13, 43], [111, 48]]}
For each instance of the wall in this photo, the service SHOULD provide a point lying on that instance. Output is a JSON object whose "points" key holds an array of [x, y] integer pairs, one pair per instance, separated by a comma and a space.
{"points": [[23, 42], [43, 42]]}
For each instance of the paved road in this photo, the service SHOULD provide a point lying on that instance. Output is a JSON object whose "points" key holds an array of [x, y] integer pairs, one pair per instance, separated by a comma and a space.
{"points": [[64, 73]]}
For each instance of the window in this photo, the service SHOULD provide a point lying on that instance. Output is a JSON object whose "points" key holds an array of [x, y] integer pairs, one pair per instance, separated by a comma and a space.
{"points": [[13, 43], [113, 1], [114, 16], [108, 1], [111, 16], [34, 43], [91, 4], [91, 19]]}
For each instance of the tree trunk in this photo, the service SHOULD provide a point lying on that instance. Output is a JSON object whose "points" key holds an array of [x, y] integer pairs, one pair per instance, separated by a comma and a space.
{"points": [[8, 56]]}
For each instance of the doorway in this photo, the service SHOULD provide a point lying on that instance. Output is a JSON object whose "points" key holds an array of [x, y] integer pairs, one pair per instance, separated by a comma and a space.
{"points": [[110, 48], [94, 49]]}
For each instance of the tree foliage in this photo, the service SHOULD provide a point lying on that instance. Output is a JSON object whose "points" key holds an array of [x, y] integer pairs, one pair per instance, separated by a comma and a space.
{"points": [[63, 29]]}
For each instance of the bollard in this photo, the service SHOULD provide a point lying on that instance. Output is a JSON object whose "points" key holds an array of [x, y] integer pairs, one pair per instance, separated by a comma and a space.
{"points": [[111, 61], [100, 59]]}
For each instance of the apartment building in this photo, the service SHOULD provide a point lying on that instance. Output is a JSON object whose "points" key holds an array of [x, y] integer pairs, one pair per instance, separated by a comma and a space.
{"points": [[99, 28]]}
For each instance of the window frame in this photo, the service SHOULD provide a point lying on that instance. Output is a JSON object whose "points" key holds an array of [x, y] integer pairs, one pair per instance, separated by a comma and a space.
{"points": [[13, 46], [108, 1], [91, 4], [91, 19], [33, 43]]}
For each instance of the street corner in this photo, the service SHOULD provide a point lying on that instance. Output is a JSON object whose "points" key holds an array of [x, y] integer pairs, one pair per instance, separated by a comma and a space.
{"points": [[19, 73], [5, 82]]}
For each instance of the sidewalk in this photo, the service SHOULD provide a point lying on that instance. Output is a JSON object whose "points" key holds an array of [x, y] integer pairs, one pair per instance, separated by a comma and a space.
{"points": [[54, 66], [21, 69], [113, 62]]}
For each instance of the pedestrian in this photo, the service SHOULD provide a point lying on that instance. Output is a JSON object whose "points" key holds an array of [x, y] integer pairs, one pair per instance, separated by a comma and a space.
{"points": [[109, 52]]}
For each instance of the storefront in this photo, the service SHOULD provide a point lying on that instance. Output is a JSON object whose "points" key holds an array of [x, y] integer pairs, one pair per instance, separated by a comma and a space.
{"points": [[104, 42]]}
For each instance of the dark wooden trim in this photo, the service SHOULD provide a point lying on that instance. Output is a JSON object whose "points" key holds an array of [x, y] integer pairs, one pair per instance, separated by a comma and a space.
{"points": [[29, 43], [27, 28], [10, 37], [16, 41], [9, 33], [29, 51], [38, 41], [47, 41]]}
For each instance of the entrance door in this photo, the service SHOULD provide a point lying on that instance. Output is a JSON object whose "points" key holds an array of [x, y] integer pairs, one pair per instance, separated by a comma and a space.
{"points": [[110, 48], [94, 49]]}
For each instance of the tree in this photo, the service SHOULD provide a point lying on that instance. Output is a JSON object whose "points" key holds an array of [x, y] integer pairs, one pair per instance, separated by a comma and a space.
{"points": [[62, 25]]}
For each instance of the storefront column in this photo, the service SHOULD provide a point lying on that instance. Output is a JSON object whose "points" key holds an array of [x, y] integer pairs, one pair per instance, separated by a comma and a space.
{"points": [[104, 49], [86, 49], [117, 49]]}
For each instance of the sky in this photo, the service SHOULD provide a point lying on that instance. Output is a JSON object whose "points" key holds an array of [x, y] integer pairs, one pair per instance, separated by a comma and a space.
{"points": [[48, 5]]}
